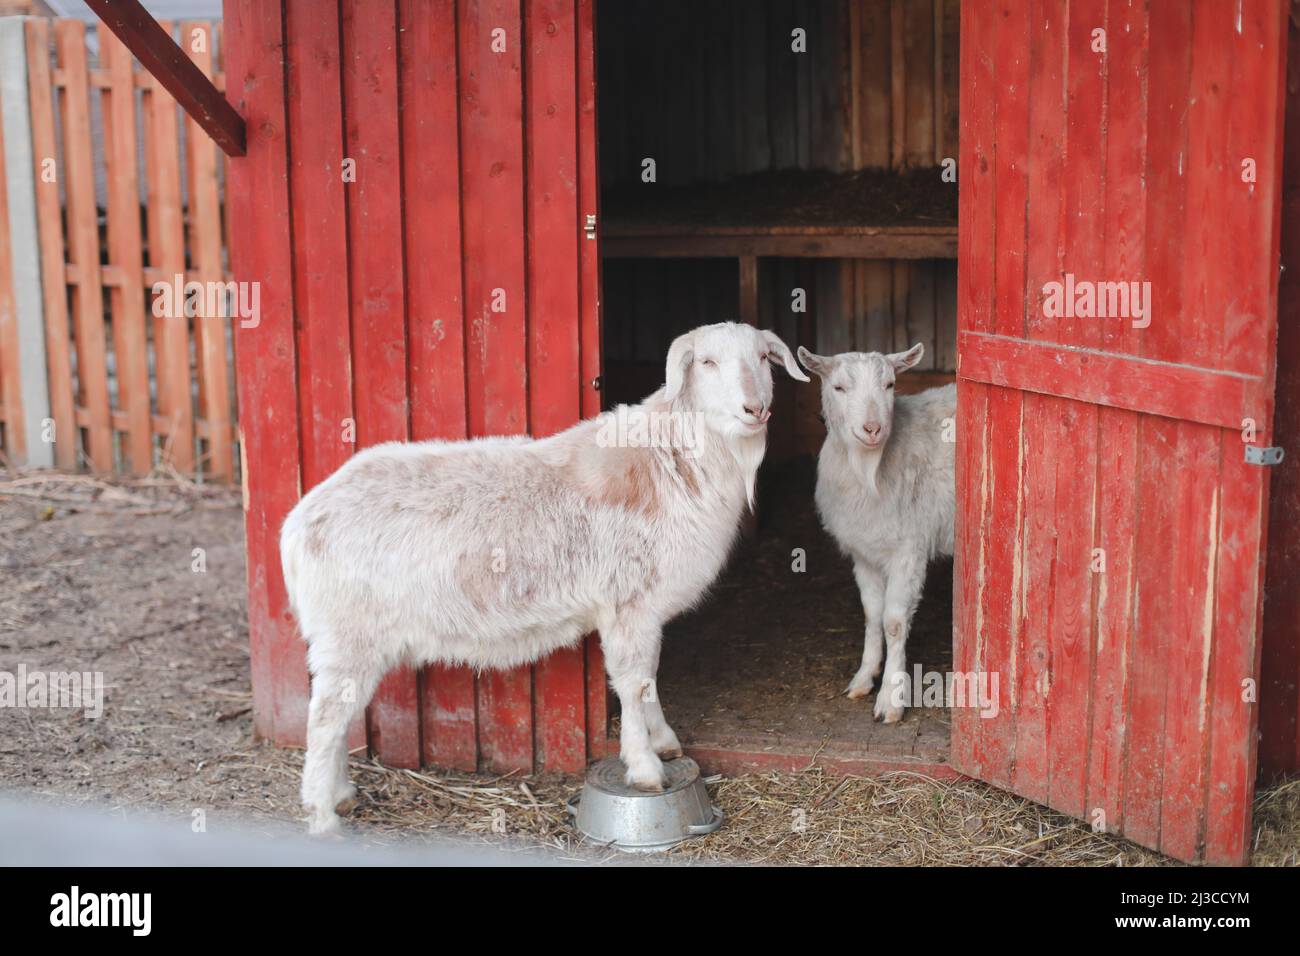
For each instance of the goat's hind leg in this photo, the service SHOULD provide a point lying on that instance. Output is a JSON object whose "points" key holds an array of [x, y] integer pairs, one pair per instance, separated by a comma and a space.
{"points": [[871, 585], [336, 698]]}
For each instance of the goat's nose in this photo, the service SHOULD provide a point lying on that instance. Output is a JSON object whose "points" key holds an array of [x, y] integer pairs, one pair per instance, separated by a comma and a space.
{"points": [[871, 429], [759, 412]]}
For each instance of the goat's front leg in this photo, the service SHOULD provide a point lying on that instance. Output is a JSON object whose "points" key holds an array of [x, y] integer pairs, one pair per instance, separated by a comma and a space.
{"points": [[904, 579], [631, 650], [663, 740], [871, 585]]}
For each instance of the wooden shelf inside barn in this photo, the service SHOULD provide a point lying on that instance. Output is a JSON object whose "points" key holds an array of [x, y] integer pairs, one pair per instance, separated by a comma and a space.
{"points": [[867, 214]]}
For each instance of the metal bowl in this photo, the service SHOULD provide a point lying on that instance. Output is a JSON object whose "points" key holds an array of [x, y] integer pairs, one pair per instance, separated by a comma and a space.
{"points": [[614, 813]]}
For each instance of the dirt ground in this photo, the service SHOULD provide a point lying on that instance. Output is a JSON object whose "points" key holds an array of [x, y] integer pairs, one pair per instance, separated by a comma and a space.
{"points": [[104, 576], [767, 659]]}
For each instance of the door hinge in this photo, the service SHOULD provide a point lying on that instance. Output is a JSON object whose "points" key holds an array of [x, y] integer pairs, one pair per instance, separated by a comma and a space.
{"points": [[590, 229], [1258, 455]]}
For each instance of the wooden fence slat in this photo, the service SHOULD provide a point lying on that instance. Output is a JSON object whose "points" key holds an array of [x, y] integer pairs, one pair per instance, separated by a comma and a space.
{"points": [[11, 397], [1003, 541], [589, 329], [261, 246], [554, 378], [166, 238], [125, 253], [435, 309], [377, 297], [83, 244], [1072, 425], [317, 193], [1123, 229], [205, 256], [492, 167]]}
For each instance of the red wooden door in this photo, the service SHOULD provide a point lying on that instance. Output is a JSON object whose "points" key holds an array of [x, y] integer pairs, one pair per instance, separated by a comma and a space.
{"points": [[1110, 532], [413, 206]]}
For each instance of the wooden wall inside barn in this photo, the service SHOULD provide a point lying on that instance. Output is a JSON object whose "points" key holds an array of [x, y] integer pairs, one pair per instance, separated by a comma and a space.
{"points": [[712, 91]]}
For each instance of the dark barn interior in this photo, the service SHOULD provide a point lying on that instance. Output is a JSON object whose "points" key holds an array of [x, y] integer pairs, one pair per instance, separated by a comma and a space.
{"points": [[796, 149]]}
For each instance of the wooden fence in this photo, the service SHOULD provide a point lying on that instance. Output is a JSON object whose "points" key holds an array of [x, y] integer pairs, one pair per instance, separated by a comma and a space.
{"points": [[129, 391]]}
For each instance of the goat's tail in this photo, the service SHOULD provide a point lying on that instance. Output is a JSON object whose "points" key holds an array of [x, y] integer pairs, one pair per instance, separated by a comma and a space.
{"points": [[289, 565]]}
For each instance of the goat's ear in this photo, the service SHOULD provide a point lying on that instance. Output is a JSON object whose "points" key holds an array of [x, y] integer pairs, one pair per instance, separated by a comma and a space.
{"points": [[902, 361], [778, 350], [680, 354], [817, 364]]}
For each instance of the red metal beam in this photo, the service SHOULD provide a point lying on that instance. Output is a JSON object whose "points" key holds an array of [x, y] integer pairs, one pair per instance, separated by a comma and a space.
{"points": [[178, 74]]}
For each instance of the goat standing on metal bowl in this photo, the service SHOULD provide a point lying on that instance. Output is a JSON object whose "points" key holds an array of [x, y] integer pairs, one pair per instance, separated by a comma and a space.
{"points": [[496, 552], [885, 492]]}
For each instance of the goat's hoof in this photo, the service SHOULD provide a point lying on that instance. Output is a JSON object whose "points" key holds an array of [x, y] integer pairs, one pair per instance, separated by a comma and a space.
{"points": [[888, 715], [672, 753], [856, 692], [325, 827], [648, 778]]}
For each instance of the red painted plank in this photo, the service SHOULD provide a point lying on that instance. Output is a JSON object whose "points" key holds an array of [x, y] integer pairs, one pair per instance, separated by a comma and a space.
{"points": [[975, 271], [1001, 542], [1167, 78], [589, 324], [1193, 567], [1075, 424], [969, 564], [492, 171], [1203, 395], [320, 234], [1123, 228], [434, 302], [261, 251], [554, 389], [377, 301], [1037, 556], [1232, 709], [320, 242], [1242, 535]]}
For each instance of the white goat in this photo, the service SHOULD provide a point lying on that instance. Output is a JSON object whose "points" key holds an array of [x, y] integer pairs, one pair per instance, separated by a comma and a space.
{"points": [[888, 501], [495, 552]]}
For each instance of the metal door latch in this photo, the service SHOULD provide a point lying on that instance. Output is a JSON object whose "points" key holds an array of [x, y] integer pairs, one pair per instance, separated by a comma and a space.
{"points": [[591, 226], [1257, 455]]}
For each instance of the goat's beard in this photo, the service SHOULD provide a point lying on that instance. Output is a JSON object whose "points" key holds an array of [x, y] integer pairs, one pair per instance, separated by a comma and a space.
{"points": [[869, 465], [748, 451]]}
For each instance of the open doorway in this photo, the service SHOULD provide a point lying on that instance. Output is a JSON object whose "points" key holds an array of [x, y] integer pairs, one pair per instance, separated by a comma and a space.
{"points": [[782, 163]]}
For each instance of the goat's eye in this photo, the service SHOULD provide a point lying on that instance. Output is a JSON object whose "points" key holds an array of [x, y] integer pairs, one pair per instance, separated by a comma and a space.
{"points": [[708, 363], [889, 387], [840, 389], [767, 357]]}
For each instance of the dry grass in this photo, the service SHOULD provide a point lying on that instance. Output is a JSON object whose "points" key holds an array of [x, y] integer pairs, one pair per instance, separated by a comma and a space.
{"points": [[808, 818]]}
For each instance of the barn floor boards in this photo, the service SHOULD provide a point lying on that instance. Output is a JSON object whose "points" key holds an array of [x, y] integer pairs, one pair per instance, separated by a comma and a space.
{"points": [[755, 677]]}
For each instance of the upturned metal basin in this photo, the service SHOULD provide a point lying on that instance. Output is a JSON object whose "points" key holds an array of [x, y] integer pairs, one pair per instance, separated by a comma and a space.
{"points": [[613, 813]]}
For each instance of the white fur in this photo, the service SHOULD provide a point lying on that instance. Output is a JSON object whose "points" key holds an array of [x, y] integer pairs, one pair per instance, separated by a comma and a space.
{"points": [[885, 491], [495, 552]]}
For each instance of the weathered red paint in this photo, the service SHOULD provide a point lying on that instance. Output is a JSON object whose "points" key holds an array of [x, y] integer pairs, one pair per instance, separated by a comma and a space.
{"points": [[1126, 706], [447, 292], [261, 251]]}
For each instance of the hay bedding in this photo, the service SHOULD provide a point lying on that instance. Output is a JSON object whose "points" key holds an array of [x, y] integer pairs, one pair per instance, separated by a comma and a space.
{"points": [[98, 575]]}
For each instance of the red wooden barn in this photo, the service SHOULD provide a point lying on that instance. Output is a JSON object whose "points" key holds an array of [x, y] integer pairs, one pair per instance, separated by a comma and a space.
{"points": [[422, 203]]}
